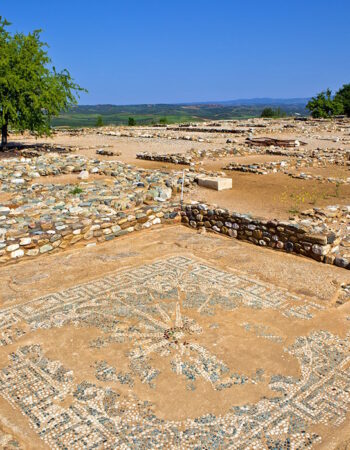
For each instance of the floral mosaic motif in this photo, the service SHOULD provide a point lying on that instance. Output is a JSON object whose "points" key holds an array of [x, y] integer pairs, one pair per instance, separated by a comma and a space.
{"points": [[169, 334], [105, 302], [150, 309], [10, 335], [102, 416], [262, 331]]}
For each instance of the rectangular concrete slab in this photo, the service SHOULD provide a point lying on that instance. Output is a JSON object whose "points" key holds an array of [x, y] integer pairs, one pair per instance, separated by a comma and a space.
{"points": [[216, 183]]}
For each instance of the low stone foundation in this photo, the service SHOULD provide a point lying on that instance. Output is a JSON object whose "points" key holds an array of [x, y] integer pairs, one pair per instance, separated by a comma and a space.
{"points": [[174, 158], [291, 237], [208, 130], [320, 235], [56, 237]]}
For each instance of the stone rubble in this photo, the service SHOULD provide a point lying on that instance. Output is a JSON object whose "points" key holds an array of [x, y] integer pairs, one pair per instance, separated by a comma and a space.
{"points": [[104, 152], [267, 142], [286, 167], [173, 158], [41, 217], [153, 135], [191, 157]]}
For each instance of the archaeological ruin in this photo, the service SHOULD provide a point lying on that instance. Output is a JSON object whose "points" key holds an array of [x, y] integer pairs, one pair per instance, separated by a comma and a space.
{"points": [[176, 286]]}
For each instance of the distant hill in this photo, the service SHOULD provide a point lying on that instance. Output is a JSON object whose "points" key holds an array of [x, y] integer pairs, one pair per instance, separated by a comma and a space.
{"points": [[86, 115], [266, 101]]}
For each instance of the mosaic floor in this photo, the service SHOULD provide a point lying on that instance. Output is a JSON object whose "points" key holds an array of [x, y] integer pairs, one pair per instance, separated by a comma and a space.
{"points": [[174, 354]]}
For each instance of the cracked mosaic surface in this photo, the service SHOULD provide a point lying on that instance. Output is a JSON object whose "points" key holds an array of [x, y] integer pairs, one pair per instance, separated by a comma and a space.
{"points": [[157, 314]]}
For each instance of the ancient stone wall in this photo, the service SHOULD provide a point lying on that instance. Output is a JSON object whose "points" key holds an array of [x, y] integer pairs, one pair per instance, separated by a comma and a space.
{"points": [[53, 237], [308, 239], [174, 158], [292, 237]]}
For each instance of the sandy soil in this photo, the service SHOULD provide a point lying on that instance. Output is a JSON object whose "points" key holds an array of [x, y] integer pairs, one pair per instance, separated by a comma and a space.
{"points": [[304, 278], [274, 195], [329, 171], [312, 283]]}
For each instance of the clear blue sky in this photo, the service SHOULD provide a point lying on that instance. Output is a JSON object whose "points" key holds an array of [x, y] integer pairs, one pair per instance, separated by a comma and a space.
{"points": [[164, 51]]}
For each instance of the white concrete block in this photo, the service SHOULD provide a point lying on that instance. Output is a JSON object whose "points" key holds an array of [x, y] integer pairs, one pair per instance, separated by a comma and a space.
{"points": [[216, 183]]}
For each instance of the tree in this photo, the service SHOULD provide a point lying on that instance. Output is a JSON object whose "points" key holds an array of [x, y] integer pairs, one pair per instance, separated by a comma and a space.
{"points": [[267, 112], [324, 106], [163, 120], [343, 96], [131, 122], [273, 113], [99, 121], [31, 91]]}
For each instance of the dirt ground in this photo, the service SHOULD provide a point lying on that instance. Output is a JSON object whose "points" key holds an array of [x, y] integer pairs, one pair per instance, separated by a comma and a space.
{"points": [[224, 335], [173, 334], [271, 196]]}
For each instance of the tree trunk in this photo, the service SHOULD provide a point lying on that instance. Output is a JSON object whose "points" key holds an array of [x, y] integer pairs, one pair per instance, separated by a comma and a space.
{"points": [[4, 135]]}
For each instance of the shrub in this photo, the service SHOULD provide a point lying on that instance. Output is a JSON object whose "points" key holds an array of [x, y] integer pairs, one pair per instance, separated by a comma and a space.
{"points": [[343, 96], [76, 191], [324, 106], [272, 113], [99, 121]]}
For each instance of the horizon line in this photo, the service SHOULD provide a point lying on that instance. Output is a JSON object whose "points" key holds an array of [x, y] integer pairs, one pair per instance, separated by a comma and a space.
{"points": [[208, 102]]}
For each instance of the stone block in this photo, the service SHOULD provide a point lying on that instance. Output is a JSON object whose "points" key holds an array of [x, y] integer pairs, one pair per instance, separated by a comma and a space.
{"points": [[216, 183]]}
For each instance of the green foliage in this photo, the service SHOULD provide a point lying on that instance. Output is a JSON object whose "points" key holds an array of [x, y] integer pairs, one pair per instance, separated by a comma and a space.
{"points": [[337, 189], [343, 96], [76, 191], [131, 122], [273, 113], [99, 121], [86, 115], [163, 120], [31, 92], [324, 106]]}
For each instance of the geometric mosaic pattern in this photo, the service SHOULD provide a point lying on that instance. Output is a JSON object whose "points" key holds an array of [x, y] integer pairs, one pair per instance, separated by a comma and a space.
{"points": [[149, 309]]}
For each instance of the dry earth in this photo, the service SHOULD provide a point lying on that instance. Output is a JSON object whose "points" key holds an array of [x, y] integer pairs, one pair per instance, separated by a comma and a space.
{"points": [[268, 196], [170, 338]]}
